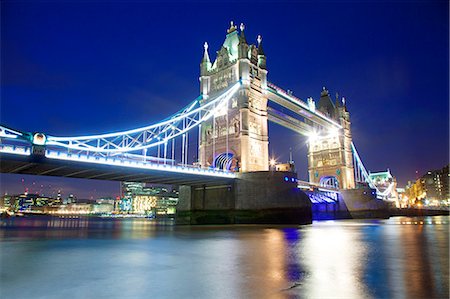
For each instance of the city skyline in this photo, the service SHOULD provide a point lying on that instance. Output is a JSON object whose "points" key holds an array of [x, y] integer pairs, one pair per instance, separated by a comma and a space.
{"points": [[116, 65]]}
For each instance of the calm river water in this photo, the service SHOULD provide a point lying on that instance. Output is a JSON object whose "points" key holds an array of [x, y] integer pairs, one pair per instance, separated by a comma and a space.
{"points": [[138, 258]]}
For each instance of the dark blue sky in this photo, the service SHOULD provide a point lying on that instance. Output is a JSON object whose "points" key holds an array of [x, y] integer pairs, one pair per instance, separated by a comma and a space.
{"points": [[91, 67]]}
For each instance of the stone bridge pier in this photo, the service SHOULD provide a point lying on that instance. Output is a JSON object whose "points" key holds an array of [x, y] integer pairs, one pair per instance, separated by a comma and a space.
{"points": [[263, 197]]}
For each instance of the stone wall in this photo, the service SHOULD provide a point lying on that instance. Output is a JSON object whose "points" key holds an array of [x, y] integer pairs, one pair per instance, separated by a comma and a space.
{"points": [[362, 203], [257, 197]]}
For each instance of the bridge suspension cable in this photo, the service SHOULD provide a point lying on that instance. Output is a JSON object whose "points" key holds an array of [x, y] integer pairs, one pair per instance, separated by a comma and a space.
{"points": [[362, 176], [150, 136], [9, 133]]}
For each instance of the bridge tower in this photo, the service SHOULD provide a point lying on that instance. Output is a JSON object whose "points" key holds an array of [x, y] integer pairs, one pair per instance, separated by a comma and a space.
{"points": [[236, 138], [330, 157]]}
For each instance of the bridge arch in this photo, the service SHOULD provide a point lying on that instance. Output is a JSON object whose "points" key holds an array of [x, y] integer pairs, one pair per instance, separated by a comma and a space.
{"points": [[225, 161], [329, 181]]}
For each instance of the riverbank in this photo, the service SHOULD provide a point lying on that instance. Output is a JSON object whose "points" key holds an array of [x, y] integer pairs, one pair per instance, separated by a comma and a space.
{"points": [[317, 214], [413, 212]]}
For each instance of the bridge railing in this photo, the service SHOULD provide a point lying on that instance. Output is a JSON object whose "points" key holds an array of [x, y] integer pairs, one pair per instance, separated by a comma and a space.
{"points": [[122, 161], [15, 149]]}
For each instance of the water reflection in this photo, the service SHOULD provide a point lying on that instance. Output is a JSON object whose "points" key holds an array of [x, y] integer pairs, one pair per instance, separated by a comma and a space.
{"points": [[333, 256], [132, 258], [82, 227]]}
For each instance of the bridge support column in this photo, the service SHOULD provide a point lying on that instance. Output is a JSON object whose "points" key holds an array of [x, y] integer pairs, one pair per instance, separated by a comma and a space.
{"points": [[362, 203], [254, 198], [205, 205]]}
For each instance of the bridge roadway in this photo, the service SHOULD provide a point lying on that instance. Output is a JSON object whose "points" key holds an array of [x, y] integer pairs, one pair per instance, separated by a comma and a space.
{"points": [[130, 171]]}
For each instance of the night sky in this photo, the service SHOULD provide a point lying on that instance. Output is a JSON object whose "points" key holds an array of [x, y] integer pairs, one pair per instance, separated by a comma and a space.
{"points": [[71, 69]]}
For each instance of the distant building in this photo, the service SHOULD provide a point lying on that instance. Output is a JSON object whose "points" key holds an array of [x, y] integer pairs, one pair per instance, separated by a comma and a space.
{"points": [[402, 198], [70, 199], [137, 198], [130, 189], [75, 208], [8, 202], [430, 189], [435, 184], [445, 182], [26, 201], [102, 208]]}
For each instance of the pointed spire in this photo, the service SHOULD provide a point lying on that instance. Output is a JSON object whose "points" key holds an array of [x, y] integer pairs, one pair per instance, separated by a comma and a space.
{"points": [[242, 38], [337, 104], [243, 46], [205, 64], [343, 101], [260, 46], [205, 53]]}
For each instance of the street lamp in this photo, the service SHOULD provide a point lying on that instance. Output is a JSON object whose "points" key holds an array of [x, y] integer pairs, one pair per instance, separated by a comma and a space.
{"points": [[272, 163]]}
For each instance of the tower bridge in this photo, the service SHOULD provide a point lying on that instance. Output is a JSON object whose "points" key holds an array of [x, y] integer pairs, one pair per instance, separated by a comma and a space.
{"points": [[228, 126]]}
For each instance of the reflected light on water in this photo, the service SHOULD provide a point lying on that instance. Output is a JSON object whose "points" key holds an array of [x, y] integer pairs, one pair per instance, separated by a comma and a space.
{"points": [[275, 249], [333, 257], [138, 258]]}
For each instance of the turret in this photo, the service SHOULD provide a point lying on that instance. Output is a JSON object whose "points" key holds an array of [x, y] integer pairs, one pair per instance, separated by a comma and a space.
{"points": [[261, 55], [241, 133], [243, 46], [205, 64], [205, 67], [336, 103], [326, 104]]}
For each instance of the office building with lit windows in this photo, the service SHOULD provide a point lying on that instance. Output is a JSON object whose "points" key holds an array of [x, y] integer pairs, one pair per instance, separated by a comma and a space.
{"points": [[137, 198]]}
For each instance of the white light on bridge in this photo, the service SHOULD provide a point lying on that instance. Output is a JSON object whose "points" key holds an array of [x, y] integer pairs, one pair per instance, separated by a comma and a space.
{"points": [[313, 136], [333, 132], [141, 165], [272, 162]]}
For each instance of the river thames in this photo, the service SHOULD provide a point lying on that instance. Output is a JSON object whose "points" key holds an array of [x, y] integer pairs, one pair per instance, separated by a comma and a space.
{"points": [[399, 257]]}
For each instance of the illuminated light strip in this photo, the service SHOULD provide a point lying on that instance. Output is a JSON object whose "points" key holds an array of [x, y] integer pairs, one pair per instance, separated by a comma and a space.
{"points": [[16, 151], [328, 190], [363, 169], [299, 102], [292, 98], [3, 131], [9, 133], [138, 164], [5, 135], [316, 113], [147, 158], [308, 183], [179, 117], [303, 187], [192, 123], [222, 99]]}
